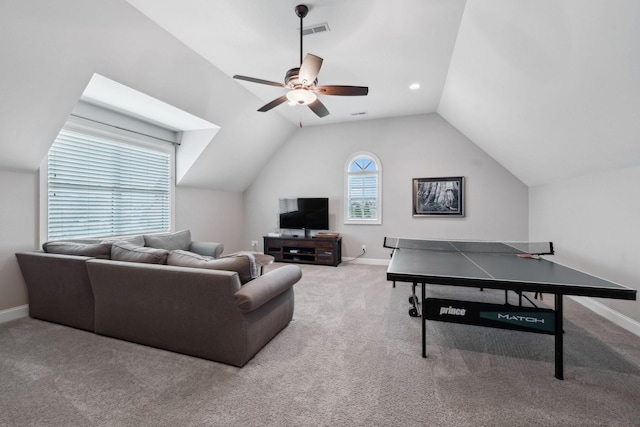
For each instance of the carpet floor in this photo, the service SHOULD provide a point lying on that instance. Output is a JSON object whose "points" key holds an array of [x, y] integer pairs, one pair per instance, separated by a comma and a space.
{"points": [[350, 357]]}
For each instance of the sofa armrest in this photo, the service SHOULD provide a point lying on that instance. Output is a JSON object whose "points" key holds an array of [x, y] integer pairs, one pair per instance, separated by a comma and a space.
{"points": [[58, 288], [207, 248], [266, 287]]}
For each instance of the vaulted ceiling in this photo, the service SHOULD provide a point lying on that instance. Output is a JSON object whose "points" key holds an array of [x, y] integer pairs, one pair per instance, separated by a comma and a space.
{"points": [[550, 89]]}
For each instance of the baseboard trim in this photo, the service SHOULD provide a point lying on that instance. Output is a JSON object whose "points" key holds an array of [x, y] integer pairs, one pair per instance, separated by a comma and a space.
{"points": [[14, 313], [618, 318]]}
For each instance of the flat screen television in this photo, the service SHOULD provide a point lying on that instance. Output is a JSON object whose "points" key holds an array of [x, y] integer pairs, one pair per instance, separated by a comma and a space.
{"points": [[304, 213]]}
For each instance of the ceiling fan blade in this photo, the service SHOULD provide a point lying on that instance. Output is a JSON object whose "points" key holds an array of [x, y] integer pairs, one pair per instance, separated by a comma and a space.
{"points": [[254, 80], [273, 103], [319, 108], [342, 90], [309, 69]]}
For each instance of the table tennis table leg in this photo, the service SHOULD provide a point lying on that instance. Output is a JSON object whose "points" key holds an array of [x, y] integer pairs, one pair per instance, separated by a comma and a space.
{"points": [[424, 322], [559, 342]]}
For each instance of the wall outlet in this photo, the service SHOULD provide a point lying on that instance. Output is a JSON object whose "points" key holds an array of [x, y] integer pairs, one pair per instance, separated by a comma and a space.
{"points": [[254, 243], [364, 248]]}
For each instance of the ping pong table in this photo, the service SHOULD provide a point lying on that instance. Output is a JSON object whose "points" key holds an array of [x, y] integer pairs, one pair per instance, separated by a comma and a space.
{"points": [[508, 266]]}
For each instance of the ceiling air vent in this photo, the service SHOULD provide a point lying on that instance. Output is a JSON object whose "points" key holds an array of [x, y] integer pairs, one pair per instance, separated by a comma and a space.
{"points": [[361, 113], [315, 29]]}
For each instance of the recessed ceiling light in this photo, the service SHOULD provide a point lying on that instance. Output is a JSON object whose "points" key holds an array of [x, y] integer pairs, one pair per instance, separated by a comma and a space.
{"points": [[414, 86]]}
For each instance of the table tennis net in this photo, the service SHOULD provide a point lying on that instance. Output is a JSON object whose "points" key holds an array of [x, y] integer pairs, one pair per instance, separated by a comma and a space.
{"points": [[483, 246]]}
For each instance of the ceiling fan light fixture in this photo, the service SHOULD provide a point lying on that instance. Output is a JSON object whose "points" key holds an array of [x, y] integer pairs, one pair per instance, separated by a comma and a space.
{"points": [[301, 97], [303, 81]]}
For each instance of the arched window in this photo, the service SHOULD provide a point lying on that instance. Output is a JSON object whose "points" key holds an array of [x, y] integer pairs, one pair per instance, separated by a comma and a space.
{"points": [[363, 189]]}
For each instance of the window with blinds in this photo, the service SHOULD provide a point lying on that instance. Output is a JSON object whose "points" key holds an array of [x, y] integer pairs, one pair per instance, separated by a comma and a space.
{"points": [[362, 192], [105, 184]]}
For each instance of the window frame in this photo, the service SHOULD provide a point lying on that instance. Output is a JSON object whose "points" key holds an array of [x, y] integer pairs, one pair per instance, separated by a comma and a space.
{"points": [[378, 174], [119, 135]]}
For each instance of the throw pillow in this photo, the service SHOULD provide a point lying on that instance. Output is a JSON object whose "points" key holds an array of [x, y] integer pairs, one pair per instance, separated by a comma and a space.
{"points": [[213, 249], [240, 264], [123, 251], [255, 270], [97, 250], [180, 240]]}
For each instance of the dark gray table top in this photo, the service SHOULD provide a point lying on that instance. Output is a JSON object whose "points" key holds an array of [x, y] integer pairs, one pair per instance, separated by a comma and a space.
{"points": [[497, 270]]}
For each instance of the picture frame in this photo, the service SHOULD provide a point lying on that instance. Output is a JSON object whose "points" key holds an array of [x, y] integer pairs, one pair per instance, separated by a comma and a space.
{"points": [[438, 196]]}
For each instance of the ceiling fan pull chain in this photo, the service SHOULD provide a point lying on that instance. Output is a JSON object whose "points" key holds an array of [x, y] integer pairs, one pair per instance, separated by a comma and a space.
{"points": [[300, 122]]}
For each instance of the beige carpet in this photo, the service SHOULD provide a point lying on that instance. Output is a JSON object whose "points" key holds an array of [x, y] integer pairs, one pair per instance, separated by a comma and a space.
{"points": [[351, 357]]}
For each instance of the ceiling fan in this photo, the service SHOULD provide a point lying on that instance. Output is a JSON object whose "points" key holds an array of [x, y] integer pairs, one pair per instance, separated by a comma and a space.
{"points": [[303, 81]]}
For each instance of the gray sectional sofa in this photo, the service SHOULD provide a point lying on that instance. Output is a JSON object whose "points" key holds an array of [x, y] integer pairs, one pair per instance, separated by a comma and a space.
{"points": [[179, 295]]}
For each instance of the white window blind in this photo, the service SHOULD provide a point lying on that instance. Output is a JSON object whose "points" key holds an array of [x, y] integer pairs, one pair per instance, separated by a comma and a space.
{"points": [[100, 186], [363, 195]]}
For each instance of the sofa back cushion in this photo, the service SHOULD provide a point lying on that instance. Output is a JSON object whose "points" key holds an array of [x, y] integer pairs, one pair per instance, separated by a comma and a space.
{"points": [[97, 250], [180, 240], [123, 251], [240, 264], [137, 240]]}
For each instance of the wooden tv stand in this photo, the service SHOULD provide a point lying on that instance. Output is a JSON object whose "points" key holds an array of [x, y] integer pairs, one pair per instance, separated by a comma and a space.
{"points": [[304, 250]]}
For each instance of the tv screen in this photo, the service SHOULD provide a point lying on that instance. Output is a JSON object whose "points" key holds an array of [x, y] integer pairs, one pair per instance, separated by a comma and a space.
{"points": [[304, 213]]}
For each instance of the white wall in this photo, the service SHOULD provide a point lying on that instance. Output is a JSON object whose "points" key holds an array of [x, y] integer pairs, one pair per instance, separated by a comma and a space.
{"points": [[18, 231], [593, 222], [311, 164], [212, 216]]}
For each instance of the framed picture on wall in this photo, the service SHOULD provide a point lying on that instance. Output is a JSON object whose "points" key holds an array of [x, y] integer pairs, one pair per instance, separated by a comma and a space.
{"points": [[438, 196]]}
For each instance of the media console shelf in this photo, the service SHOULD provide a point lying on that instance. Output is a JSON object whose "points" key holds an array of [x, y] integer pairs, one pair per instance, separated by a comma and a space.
{"points": [[304, 250]]}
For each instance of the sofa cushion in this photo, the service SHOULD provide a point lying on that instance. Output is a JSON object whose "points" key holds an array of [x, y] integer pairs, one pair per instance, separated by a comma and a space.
{"points": [[97, 250], [180, 240], [137, 240], [123, 251], [240, 264]]}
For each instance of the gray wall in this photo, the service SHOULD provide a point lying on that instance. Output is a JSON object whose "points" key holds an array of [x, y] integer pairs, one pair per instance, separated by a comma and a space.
{"points": [[312, 163], [211, 215], [593, 221], [18, 231]]}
